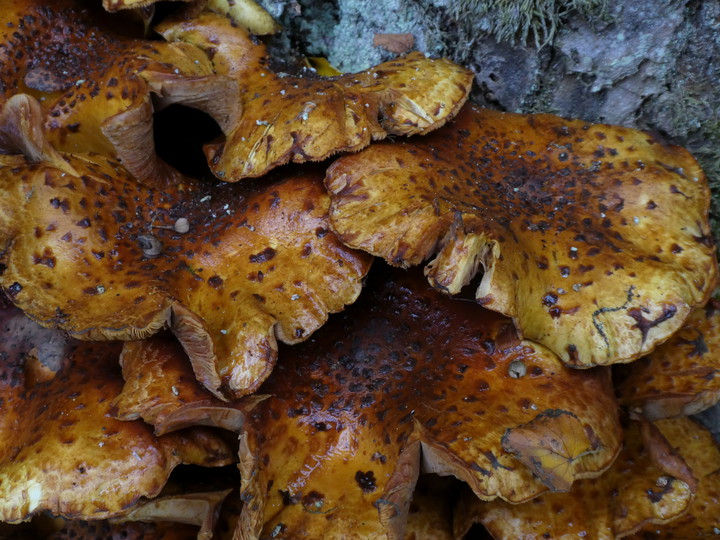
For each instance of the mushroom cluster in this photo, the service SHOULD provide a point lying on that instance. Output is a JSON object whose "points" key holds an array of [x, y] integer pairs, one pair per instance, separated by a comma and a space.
{"points": [[212, 356]]}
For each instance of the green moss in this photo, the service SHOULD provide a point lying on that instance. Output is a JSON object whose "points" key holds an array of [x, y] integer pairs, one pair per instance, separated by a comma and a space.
{"points": [[522, 20]]}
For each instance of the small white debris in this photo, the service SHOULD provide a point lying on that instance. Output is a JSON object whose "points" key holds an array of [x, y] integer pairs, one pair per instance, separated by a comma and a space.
{"points": [[206, 198], [517, 369], [573, 249], [561, 291], [174, 391], [101, 444], [516, 189], [79, 82], [223, 331], [295, 297], [636, 220], [662, 481], [182, 225], [602, 214], [577, 287], [100, 289], [262, 122]]}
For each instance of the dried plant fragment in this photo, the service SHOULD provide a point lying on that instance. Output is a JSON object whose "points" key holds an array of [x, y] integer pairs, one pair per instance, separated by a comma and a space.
{"points": [[229, 269], [286, 118], [407, 378], [594, 238], [637, 490], [62, 452], [95, 85], [680, 377]]}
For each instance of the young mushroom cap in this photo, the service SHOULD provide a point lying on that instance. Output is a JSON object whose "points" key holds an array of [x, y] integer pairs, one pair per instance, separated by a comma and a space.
{"points": [[95, 85], [648, 484], [699, 449], [594, 238], [408, 378], [62, 452], [287, 118], [160, 389], [97, 254], [680, 377]]}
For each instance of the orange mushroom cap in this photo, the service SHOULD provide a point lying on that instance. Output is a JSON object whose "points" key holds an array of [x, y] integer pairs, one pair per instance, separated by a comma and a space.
{"points": [[409, 378], [228, 268], [700, 451], [406, 372], [681, 376], [594, 238], [159, 388], [286, 118], [95, 85], [649, 483], [61, 450]]}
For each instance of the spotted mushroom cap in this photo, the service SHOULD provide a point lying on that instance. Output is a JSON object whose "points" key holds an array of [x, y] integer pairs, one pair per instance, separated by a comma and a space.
{"points": [[681, 376], [594, 238], [639, 489], [700, 451], [286, 118], [61, 451], [228, 268], [406, 376], [95, 85]]}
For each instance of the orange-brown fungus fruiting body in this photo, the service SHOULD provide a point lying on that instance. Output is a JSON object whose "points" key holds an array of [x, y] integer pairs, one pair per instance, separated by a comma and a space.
{"points": [[62, 452], [699, 449], [636, 491], [286, 118], [95, 85], [594, 238], [100, 256], [681, 376], [160, 388], [408, 374]]}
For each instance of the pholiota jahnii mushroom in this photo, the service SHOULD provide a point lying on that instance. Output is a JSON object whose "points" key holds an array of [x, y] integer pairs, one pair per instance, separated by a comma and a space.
{"points": [[286, 118], [230, 268], [593, 238]]}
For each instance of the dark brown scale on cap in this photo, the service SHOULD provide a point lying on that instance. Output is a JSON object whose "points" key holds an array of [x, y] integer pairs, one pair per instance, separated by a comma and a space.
{"points": [[286, 118], [398, 373], [237, 280], [539, 204]]}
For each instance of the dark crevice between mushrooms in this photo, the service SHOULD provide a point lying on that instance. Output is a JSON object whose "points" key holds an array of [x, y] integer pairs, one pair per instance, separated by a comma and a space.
{"points": [[179, 134]]}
